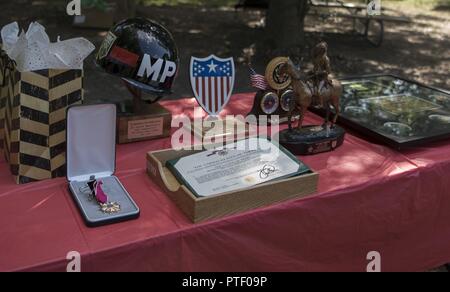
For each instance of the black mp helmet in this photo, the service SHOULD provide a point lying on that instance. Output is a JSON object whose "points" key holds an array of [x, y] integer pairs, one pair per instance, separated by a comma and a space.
{"points": [[143, 53]]}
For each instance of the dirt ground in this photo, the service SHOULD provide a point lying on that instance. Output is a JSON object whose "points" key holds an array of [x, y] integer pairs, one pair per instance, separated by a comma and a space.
{"points": [[417, 50]]}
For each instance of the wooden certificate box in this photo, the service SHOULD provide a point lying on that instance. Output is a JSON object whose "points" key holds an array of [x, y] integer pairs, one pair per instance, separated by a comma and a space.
{"points": [[200, 209]]}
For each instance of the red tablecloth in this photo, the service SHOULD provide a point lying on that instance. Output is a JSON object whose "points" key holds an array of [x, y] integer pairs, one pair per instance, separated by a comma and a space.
{"points": [[370, 198]]}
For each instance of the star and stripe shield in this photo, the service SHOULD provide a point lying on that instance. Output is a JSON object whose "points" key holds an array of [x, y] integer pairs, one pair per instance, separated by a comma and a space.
{"points": [[212, 81]]}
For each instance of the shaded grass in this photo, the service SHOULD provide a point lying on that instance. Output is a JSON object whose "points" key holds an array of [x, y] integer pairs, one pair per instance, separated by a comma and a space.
{"points": [[233, 2], [216, 3]]}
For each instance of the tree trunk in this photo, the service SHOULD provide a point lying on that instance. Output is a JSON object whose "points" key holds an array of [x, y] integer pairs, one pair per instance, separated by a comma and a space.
{"points": [[125, 9], [285, 23]]}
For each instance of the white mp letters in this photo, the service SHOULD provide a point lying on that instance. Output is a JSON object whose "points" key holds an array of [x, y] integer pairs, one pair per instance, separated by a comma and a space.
{"points": [[148, 69]]}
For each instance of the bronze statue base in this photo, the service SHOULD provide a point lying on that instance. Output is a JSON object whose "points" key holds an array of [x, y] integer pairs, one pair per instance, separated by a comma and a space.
{"points": [[312, 139]]}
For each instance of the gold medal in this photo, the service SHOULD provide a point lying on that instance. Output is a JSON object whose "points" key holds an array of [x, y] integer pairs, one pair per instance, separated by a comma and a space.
{"points": [[110, 208], [274, 78]]}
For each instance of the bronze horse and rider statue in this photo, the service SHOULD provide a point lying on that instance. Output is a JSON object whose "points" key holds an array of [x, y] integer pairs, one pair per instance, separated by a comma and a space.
{"points": [[315, 87]]}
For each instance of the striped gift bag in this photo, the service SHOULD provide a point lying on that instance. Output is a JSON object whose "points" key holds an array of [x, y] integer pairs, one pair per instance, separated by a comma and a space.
{"points": [[35, 121], [3, 93]]}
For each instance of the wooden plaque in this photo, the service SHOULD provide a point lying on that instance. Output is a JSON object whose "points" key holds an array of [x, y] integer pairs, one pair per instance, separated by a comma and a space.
{"points": [[151, 123]]}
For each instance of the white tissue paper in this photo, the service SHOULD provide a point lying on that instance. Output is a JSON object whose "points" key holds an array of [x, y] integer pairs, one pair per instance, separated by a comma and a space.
{"points": [[33, 50]]}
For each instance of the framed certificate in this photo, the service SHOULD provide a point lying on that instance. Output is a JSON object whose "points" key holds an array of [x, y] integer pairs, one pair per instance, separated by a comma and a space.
{"points": [[237, 166]]}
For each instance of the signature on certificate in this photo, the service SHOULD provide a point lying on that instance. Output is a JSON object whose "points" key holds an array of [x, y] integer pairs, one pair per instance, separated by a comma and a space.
{"points": [[266, 171]]}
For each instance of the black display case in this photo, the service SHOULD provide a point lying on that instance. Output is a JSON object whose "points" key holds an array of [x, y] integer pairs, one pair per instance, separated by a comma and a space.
{"points": [[398, 112]]}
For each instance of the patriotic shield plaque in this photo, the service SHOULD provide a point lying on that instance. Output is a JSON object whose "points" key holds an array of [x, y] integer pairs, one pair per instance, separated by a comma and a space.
{"points": [[212, 81]]}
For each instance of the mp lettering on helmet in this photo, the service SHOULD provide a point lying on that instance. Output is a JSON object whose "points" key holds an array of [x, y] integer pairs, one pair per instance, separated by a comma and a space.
{"points": [[149, 69]]}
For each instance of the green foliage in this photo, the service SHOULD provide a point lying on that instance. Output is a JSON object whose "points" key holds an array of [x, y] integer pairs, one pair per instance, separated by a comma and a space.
{"points": [[99, 4], [191, 2]]}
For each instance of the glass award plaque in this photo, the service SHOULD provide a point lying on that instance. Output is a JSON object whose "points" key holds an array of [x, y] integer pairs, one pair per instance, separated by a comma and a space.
{"points": [[395, 111]]}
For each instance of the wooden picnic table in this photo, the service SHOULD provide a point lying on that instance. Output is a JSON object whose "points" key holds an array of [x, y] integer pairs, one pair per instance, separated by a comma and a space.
{"points": [[372, 26]]}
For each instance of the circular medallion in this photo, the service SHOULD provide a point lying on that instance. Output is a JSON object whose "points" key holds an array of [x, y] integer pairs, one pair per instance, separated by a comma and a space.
{"points": [[276, 80], [287, 100], [398, 129], [270, 103]]}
